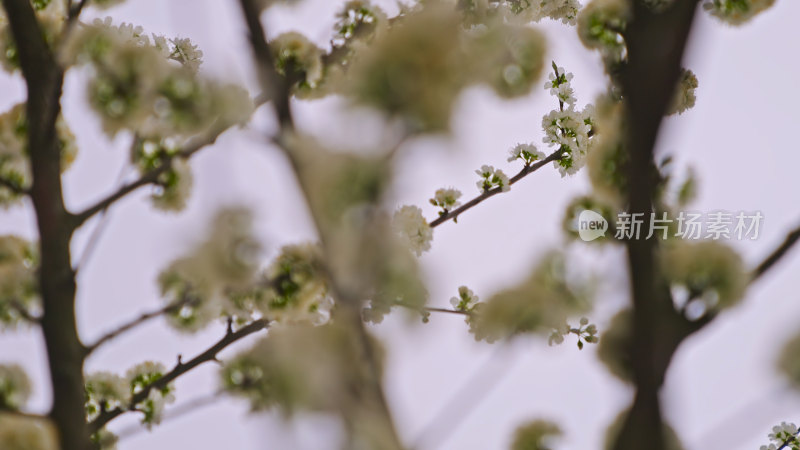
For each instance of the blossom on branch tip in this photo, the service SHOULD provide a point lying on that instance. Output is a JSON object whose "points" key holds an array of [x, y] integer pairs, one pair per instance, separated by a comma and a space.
{"points": [[466, 299], [446, 198]]}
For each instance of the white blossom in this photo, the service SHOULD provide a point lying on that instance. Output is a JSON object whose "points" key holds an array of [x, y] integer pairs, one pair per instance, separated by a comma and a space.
{"points": [[15, 388], [533, 11], [560, 86], [104, 392], [526, 152], [685, 96], [446, 198], [139, 378], [27, 433], [297, 292], [186, 53], [413, 229], [736, 12], [568, 130], [174, 187], [466, 299], [492, 178]]}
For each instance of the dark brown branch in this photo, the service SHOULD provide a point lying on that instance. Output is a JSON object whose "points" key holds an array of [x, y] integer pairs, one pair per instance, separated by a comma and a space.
{"points": [[276, 87], [147, 178], [558, 154], [180, 369], [656, 44], [372, 398], [56, 281], [446, 311], [173, 307], [769, 262], [76, 9]]}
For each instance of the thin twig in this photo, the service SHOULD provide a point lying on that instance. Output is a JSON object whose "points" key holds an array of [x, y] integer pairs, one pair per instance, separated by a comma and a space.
{"points": [[463, 402], [150, 177], [185, 301], [97, 233], [528, 169], [777, 254], [177, 412], [180, 368]]}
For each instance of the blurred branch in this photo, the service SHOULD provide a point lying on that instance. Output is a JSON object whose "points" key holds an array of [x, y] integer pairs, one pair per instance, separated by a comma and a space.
{"points": [[173, 307], [528, 169], [431, 309], [278, 89], [769, 262], [97, 232], [656, 43], [180, 369]]}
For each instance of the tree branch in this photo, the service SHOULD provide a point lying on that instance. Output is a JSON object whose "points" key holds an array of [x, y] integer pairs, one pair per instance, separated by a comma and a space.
{"points": [[150, 177], [180, 369], [186, 301], [75, 10], [56, 281], [555, 156], [656, 44], [769, 262]]}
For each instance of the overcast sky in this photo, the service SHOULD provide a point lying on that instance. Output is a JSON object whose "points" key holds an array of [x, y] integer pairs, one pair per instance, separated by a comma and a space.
{"points": [[721, 391]]}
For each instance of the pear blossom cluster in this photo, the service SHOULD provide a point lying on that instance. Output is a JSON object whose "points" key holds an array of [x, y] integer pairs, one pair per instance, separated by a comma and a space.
{"points": [[568, 130], [106, 391], [296, 291], [140, 377], [685, 93], [559, 84], [14, 164], [466, 299], [15, 388], [585, 332], [783, 436], [51, 16], [736, 12], [357, 19], [491, 178], [136, 84], [413, 229], [298, 59], [525, 152], [709, 270], [528, 11], [601, 25], [23, 433], [447, 199], [18, 293]]}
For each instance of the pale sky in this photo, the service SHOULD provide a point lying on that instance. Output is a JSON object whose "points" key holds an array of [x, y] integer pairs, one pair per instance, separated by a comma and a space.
{"points": [[721, 392]]}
